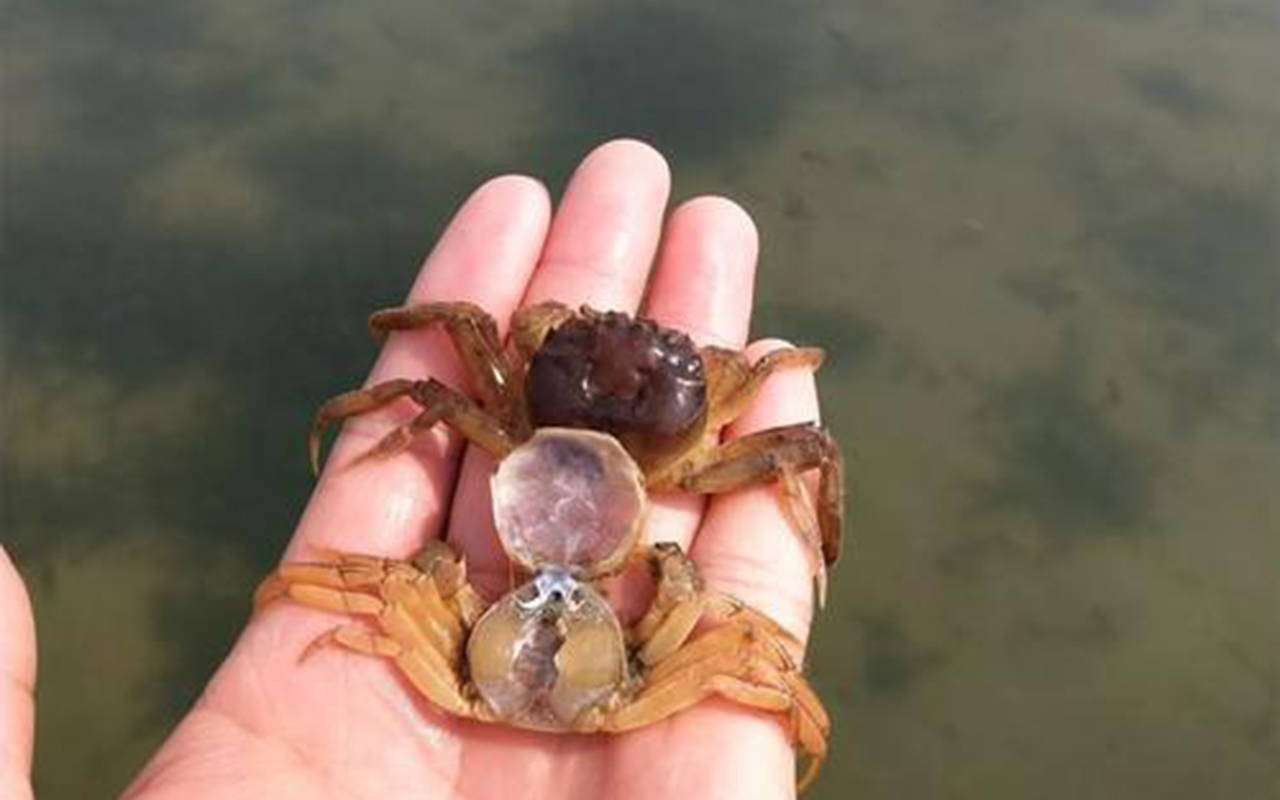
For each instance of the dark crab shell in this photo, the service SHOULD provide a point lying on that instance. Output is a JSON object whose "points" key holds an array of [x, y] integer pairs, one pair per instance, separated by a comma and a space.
{"points": [[628, 377]]}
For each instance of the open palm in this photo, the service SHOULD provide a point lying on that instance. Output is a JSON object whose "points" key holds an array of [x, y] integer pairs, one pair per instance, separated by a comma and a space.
{"points": [[344, 725]]}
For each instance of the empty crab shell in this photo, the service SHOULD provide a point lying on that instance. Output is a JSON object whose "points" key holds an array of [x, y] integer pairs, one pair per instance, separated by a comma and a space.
{"points": [[547, 652], [569, 498]]}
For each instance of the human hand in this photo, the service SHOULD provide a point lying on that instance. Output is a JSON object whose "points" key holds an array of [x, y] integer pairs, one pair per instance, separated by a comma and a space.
{"points": [[17, 683], [345, 725]]}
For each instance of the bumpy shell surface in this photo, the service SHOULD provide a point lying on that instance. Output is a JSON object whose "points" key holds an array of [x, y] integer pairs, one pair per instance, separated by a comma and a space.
{"points": [[629, 377]]}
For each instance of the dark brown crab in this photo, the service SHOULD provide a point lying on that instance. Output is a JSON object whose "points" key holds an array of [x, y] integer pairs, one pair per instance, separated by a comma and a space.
{"points": [[551, 654], [649, 386]]}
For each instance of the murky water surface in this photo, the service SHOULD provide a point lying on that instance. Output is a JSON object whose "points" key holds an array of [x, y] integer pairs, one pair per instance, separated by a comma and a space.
{"points": [[1041, 240]]}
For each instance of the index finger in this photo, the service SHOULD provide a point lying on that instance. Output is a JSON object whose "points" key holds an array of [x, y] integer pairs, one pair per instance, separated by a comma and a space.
{"points": [[392, 505]]}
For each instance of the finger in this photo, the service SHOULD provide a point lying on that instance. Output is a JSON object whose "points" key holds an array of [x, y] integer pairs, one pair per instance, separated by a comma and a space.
{"points": [[705, 276], [390, 506], [17, 683], [746, 545], [702, 285], [606, 229], [598, 252]]}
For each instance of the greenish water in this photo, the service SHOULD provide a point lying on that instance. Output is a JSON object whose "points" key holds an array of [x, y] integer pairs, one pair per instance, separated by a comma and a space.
{"points": [[1042, 242]]}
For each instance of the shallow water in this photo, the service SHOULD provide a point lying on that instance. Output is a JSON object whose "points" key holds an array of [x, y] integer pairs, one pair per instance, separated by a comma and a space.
{"points": [[1041, 241]]}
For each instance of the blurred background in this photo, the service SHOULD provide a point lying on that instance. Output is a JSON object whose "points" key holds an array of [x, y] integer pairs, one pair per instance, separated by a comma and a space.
{"points": [[1040, 240]]}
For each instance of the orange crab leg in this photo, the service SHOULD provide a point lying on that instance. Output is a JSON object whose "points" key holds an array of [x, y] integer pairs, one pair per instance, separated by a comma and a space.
{"points": [[727, 608], [421, 629], [672, 632], [416, 614], [428, 673], [750, 659], [409, 604], [321, 597], [728, 638], [681, 601], [335, 571], [677, 603], [743, 676]]}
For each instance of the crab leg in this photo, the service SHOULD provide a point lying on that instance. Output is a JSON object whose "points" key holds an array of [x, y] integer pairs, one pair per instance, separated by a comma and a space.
{"points": [[726, 608], [439, 403], [750, 659], [475, 336], [531, 324], [422, 627], [437, 572], [729, 663], [732, 383], [777, 454], [462, 413], [797, 507], [677, 603], [319, 596], [727, 638], [681, 600], [448, 573], [425, 669], [350, 404], [335, 570]]}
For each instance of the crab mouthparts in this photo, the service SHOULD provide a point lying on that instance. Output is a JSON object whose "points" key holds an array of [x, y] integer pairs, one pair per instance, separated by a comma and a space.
{"points": [[553, 587]]}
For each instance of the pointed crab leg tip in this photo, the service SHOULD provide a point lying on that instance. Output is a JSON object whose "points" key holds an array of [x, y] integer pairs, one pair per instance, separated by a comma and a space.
{"points": [[818, 564], [266, 593], [810, 775], [313, 451], [315, 645]]}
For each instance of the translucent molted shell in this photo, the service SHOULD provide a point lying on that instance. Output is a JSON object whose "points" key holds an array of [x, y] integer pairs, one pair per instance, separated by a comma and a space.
{"points": [[547, 652], [571, 499]]}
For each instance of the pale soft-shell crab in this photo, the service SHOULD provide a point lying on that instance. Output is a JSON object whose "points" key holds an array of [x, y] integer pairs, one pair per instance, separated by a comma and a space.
{"points": [[663, 398], [551, 655]]}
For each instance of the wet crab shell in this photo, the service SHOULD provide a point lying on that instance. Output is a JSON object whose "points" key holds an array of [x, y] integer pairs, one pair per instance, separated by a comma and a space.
{"points": [[569, 498], [629, 377]]}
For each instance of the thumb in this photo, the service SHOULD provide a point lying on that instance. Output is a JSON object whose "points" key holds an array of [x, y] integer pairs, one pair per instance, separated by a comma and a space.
{"points": [[17, 683]]}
